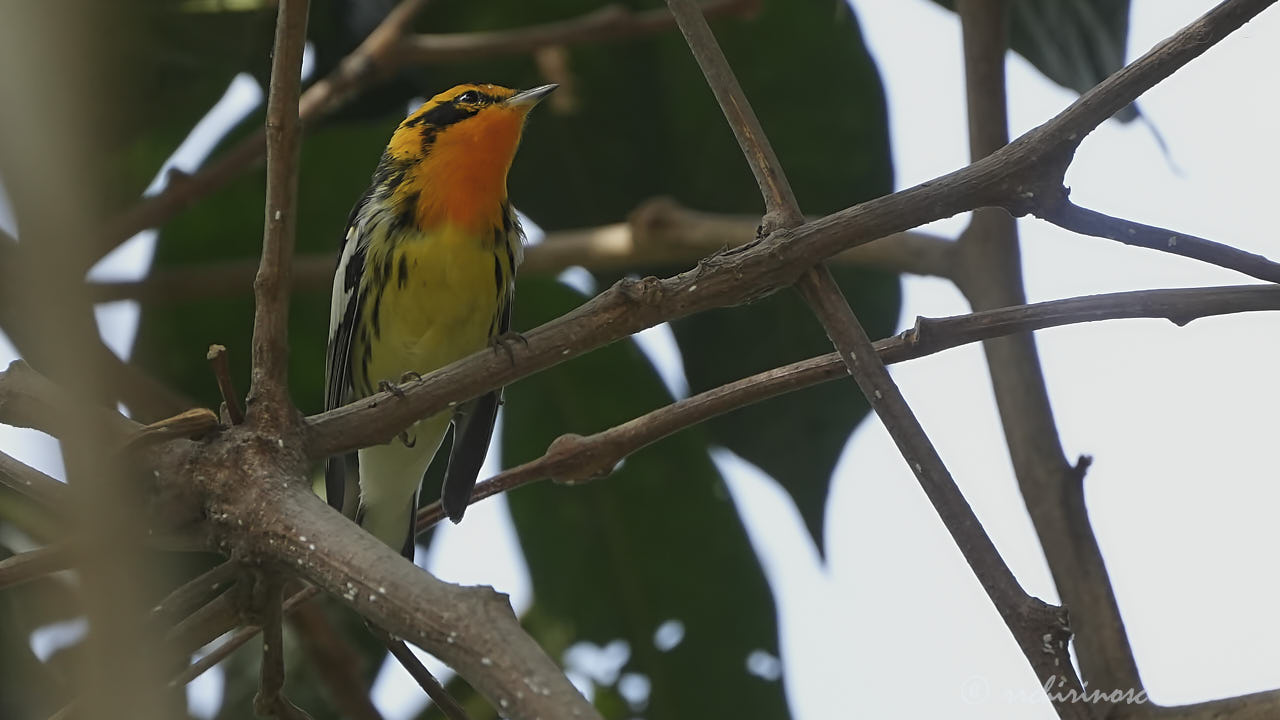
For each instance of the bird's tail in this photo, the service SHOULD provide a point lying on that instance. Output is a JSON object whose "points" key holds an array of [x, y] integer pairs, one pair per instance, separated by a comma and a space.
{"points": [[390, 478]]}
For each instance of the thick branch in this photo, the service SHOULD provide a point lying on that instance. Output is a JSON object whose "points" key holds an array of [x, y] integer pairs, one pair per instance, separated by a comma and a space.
{"points": [[261, 508], [269, 382]]}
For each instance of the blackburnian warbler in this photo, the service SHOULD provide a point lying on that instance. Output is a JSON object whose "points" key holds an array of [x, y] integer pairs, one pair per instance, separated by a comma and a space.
{"points": [[425, 278]]}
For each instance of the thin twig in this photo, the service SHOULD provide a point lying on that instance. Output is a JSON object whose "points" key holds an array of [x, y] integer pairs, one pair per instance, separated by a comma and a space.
{"points": [[191, 423], [235, 641], [781, 208], [27, 566], [270, 700], [1066, 214], [374, 58], [340, 666], [32, 483], [658, 233], [421, 674], [217, 357], [269, 384], [611, 22], [191, 595]]}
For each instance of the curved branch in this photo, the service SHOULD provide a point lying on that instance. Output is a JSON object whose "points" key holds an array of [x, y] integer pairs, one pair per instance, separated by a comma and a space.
{"points": [[576, 458], [1068, 215]]}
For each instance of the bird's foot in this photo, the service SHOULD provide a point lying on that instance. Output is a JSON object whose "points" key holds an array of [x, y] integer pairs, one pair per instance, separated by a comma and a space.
{"points": [[506, 340], [389, 387]]}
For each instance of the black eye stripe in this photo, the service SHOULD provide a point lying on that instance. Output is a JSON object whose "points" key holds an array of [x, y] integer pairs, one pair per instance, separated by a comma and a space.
{"points": [[474, 97]]}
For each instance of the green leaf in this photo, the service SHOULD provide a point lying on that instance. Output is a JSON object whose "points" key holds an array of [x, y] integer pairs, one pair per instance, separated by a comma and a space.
{"points": [[658, 540], [635, 120], [1075, 43]]}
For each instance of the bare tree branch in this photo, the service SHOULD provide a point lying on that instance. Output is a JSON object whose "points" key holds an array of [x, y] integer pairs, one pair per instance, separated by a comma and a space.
{"points": [[428, 682], [340, 665], [191, 595], [269, 382], [27, 566], [611, 22], [1068, 215], [26, 480], [270, 700], [658, 233], [576, 458], [217, 357], [990, 275]]}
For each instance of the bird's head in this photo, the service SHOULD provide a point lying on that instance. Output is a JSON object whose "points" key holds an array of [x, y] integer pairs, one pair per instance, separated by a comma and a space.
{"points": [[456, 150]]}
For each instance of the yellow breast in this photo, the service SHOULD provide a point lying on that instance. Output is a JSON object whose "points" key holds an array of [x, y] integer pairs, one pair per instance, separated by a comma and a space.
{"points": [[440, 302]]}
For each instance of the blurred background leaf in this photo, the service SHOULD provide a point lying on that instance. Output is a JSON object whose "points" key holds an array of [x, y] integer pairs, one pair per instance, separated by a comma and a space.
{"points": [[660, 541], [1075, 43]]}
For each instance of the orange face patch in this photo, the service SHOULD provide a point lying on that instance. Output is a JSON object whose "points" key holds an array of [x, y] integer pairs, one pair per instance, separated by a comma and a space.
{"points": [[457, 149]]}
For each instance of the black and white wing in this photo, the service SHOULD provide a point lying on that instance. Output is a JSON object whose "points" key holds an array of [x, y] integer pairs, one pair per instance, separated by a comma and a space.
{"points": [[344, 313]]}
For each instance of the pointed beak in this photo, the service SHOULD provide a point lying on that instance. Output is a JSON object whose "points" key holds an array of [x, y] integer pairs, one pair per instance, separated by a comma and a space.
{"points": [[527, 99]]}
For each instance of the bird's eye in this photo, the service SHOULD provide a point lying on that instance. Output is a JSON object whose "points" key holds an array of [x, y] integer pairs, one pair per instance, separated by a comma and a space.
{"points": [[470, 97]]}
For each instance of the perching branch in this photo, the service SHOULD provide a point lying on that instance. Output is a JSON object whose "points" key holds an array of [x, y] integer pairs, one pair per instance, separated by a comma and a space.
{"points": [[773, 262], [269, 382]]}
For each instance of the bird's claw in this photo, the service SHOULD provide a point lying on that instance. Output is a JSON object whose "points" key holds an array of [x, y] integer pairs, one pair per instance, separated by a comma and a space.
{"points": [[388, 387], [506, 340]]}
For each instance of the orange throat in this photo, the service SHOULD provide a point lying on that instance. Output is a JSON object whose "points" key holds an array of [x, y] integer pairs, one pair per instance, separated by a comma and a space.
{"points": [[462, 182]]}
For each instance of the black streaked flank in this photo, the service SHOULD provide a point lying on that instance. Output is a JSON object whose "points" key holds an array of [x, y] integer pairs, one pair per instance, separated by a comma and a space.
{"points": [[402, 271], [404, 218]]}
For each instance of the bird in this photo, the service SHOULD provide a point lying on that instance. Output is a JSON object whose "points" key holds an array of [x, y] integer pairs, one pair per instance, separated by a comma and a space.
{"points": [[425, 277]]}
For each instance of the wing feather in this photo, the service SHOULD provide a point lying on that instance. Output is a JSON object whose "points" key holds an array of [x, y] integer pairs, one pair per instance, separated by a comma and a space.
{"points": [[344, 313]]}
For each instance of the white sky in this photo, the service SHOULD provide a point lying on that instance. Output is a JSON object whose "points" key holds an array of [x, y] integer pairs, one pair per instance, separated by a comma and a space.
{"points": [[1177, 419]]}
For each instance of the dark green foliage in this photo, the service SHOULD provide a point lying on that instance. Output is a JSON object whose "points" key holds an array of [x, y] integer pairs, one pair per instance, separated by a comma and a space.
{"points": [[1075, 43]]}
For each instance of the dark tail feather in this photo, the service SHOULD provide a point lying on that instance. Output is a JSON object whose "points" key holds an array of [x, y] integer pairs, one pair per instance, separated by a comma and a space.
{"points": [[335, 481], [409, 543], [471, 434]]}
